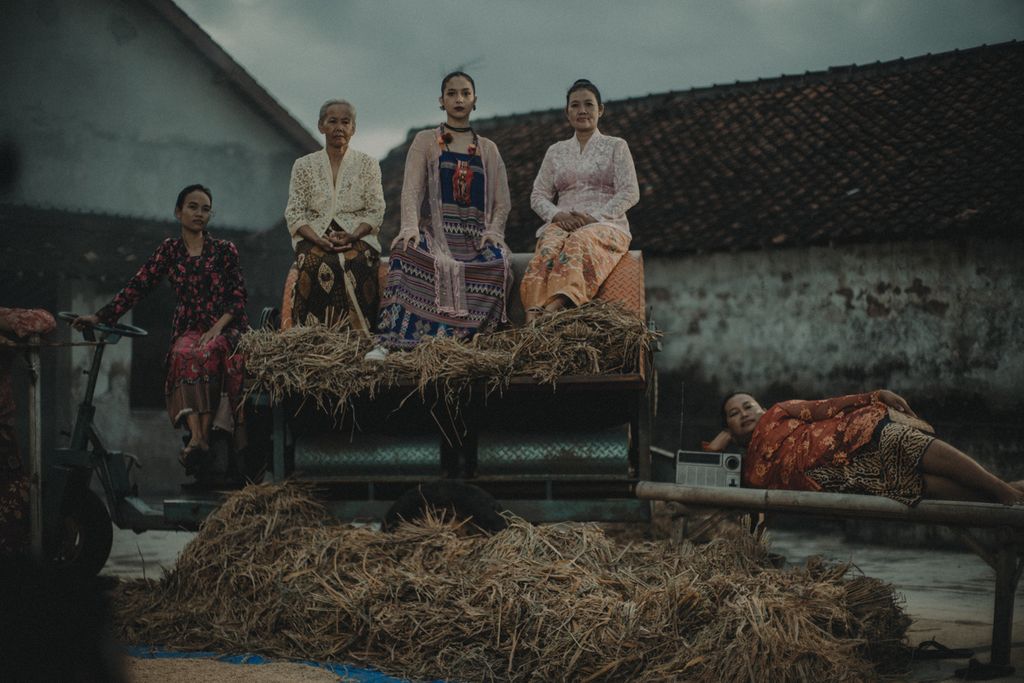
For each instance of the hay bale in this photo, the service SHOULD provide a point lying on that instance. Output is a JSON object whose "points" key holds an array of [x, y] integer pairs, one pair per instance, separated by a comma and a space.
{"points": [[325, 365], [271, 572]]}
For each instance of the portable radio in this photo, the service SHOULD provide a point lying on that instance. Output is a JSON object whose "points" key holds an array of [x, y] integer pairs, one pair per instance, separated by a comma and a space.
{"points": [[702, 468]]}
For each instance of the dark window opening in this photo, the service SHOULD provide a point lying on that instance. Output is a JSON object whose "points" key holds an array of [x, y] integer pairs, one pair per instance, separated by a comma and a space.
{"points": [[152, 314]]}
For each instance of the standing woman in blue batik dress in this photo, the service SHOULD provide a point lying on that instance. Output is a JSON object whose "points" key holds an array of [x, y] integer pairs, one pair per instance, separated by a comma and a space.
{"points": [[448, 270]]}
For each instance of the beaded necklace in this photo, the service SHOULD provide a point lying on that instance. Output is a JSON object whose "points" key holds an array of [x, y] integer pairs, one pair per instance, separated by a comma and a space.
{"points": [[462, 178]]}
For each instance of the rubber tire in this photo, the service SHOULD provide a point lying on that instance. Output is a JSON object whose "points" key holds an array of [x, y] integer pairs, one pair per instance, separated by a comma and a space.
{"points": [[464, 501], [86, 535]]}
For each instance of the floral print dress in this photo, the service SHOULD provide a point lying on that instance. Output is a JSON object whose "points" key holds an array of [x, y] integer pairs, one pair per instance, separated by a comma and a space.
{"points": [[207, 286]]}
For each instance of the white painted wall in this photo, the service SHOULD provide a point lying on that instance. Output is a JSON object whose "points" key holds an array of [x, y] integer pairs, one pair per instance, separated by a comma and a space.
{"points": [[930, 319], [113, 112]]}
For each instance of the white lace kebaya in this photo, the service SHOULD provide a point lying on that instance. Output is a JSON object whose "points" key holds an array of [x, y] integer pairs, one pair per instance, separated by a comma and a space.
{"points": [[600, 181], [314, 198]]}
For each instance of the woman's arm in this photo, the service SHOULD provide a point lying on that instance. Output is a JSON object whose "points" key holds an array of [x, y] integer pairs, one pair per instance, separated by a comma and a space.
{"points": [[297, 213], [414, 187], [235, 293], [812, 411], [300, 192], [895, 401], [215, 331], [142, 283], [371, 191], [307, 233], [719, 443], [494, 232], [543, 194], [627, 190]]}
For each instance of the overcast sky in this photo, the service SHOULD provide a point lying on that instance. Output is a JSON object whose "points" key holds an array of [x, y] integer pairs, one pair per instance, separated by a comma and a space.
{"points": [[388, 56]]}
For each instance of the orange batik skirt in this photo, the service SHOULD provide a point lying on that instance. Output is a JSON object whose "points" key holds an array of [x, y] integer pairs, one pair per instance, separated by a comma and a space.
{"points": [[573, 264]]}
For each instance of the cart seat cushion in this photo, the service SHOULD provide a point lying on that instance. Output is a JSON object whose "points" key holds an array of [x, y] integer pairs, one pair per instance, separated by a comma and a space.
{"points": [[625, 284]]}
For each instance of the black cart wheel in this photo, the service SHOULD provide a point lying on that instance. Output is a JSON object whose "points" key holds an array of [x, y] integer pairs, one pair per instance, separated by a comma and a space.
{"points": [[453, 499], [84, 536]]}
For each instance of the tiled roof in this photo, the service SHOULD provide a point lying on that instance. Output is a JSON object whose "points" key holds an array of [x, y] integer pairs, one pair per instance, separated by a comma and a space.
{"points": [[916, 148]]}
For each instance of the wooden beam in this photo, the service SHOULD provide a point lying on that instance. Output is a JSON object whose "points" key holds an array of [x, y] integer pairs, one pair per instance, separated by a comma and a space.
{"points": [[953, 513]]}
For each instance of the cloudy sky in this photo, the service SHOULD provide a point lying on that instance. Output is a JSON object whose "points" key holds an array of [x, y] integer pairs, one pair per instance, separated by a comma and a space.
{"points": [[388, 56]]}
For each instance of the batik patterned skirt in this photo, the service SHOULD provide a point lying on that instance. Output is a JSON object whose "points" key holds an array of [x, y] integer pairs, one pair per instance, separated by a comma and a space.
{"points": [[573, 264], [205, 379], [326, 288], [408, 309], [889, 465]]}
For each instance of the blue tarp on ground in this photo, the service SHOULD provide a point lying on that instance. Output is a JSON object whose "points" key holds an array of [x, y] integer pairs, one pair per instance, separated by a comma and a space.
{"points": [[349, 672]]}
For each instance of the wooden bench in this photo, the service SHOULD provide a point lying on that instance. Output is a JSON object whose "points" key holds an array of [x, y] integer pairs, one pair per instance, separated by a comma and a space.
{"points": [[1005, 554]]}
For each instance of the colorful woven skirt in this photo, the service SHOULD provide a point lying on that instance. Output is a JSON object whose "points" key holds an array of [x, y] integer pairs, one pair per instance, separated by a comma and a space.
{"points": [[408, 307]]}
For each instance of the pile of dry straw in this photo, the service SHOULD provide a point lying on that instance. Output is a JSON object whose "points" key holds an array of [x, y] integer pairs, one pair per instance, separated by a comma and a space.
{"points": [[270, 572], [326, 365]]}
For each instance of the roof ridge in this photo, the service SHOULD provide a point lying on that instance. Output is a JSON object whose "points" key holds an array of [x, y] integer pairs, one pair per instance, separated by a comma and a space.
{"points": [[236, 74], [832, 73]]}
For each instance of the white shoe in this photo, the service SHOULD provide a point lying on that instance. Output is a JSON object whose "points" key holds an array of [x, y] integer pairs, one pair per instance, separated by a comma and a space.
{"points": [[377, 353]]}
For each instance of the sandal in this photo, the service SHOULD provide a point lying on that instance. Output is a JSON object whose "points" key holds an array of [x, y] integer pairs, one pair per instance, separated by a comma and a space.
{"points": [[191, 458], [979, 671], [536, 311], [933, 649]]}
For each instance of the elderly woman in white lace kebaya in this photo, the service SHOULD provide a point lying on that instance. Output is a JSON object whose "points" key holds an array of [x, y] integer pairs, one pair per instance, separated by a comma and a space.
{"points": [[586, 233], [335, 209]]}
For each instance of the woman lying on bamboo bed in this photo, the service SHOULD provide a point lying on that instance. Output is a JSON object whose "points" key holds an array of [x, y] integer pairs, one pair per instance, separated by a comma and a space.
{"points": [[869, 443]]}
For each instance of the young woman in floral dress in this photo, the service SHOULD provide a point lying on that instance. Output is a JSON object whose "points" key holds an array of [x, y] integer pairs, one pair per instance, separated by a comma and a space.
{"points": [[208, 320]]}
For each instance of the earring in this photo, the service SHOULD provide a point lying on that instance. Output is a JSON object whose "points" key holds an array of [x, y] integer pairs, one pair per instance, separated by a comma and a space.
{"points": [[441, 107], [474, 107]]}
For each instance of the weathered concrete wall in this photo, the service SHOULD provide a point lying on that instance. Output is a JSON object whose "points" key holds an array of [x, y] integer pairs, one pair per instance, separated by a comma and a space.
{"points": [[111, 111], [940, 322], [927, 319]]}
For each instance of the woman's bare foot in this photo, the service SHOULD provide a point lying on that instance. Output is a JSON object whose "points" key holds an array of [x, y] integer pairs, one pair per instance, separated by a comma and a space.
{"points": [[559, 303], [1013, 494], [191, 453]]}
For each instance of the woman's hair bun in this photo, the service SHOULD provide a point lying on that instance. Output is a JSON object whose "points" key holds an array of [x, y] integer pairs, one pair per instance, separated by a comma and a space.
{"points": [[583, 84]]}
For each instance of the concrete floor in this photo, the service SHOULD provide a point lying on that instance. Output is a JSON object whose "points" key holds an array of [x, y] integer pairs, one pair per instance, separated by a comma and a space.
{"points": [[948, 594]]}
